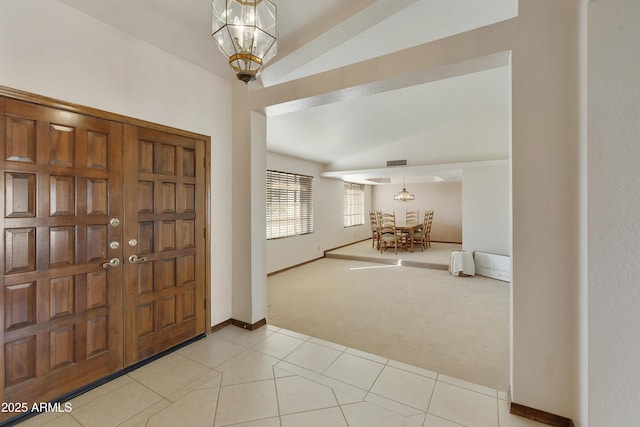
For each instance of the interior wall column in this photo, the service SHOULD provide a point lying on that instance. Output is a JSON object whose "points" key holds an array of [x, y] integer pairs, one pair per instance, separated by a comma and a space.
{"points": [[258, 220], [240, 242], [248, 245], [546, 207]]}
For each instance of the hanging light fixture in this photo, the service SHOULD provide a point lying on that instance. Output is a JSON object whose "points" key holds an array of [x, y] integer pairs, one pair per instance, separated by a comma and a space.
{"points": [[404, 195], [246, 32]]}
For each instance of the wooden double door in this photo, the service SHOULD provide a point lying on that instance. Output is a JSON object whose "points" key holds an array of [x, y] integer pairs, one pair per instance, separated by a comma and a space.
{"points": [[102, 257]]}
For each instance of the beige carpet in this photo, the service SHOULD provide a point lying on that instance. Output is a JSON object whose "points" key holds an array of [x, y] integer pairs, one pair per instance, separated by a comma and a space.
{"points": [[427, 318]]}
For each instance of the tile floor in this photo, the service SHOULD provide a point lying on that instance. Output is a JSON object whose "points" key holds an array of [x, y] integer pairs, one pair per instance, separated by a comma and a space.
{"points": [[273, 377]]}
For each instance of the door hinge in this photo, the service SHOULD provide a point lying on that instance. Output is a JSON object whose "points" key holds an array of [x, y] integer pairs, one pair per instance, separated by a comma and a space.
{"points": [[205, 233]]}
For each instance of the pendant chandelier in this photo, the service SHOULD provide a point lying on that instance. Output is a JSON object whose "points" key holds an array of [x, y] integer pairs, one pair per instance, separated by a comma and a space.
{"points": [[246, 32], [404, 195]]}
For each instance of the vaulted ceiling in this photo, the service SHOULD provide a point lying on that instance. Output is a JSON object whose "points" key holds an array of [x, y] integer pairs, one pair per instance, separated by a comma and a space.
{"points": [[444, 122]]}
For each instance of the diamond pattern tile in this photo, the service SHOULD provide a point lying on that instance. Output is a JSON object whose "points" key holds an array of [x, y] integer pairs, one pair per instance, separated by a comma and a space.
{"points": [[277, 378]]}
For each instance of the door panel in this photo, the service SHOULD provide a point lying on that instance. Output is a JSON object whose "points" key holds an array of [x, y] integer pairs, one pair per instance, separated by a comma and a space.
{"points": [[80, 196], [164, 178], [62, 323]]}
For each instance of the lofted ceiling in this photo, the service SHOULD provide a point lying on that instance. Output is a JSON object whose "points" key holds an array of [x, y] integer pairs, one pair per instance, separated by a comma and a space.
{"points": [[446, 122]]}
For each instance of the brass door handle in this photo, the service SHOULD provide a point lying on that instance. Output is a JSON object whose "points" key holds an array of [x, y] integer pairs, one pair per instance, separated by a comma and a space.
{"points": [[113, 262], [135, 259]]}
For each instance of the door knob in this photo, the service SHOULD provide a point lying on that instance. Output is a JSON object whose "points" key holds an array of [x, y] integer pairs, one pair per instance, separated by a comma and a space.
{"points": [[113, 262], [135, 259]]}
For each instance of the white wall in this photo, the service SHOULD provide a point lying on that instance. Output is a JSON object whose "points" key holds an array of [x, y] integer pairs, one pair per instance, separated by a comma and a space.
{"points": [[50, 49], [546, 207], [258, 218], [614, 203], [486, 210], [445, 198], [328, 205]]}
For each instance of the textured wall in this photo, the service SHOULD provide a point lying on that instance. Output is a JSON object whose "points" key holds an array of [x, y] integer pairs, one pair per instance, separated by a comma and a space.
{"points": [[614, 204], [486, 210]]}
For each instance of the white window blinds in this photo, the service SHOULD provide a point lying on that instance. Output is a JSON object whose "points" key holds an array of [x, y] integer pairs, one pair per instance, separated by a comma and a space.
{"points": [[289, 204], [353, 204]]}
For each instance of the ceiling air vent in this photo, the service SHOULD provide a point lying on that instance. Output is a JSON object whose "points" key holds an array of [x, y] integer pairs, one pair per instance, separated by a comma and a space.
{"points": [[396, 163]]}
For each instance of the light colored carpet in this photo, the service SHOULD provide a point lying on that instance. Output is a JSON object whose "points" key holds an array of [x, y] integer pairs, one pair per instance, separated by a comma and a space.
{"points": [[427, 318]]}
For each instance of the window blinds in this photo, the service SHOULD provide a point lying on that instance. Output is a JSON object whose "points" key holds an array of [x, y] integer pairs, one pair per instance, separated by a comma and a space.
{"points": [[289, 204], [353, 204]]}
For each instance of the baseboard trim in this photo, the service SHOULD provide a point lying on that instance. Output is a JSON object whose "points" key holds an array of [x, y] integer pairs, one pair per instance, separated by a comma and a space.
{"points": [[249, 326], [239, 324], [540, 416], [348, 244], [294, 266], [221, 325]]}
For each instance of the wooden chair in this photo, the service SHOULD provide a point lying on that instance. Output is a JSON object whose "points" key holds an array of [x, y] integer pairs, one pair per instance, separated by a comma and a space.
{"points": [[420, 235], [375, 235], [411, 217], [389, 236], [427, 227]]}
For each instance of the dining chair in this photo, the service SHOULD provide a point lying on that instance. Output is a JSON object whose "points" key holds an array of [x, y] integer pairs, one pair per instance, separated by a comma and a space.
{"points": [[427, 228], [375, 235], [419, 237], [389, 236], [411, 217]]}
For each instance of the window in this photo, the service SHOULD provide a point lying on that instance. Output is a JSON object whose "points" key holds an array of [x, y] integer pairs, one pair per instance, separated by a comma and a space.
{"points": [[289, 204], [353, 204]]}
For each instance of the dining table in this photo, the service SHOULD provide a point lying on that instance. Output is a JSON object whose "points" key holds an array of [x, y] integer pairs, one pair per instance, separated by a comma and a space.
{"points": [[409, 228]]}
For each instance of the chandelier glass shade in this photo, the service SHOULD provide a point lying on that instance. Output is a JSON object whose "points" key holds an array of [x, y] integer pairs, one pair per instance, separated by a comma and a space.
{"points": [[246, 32], [404, 195]]}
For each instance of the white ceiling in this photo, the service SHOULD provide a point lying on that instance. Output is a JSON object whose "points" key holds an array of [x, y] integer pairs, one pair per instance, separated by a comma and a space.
{"points": [[428, 124]]}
